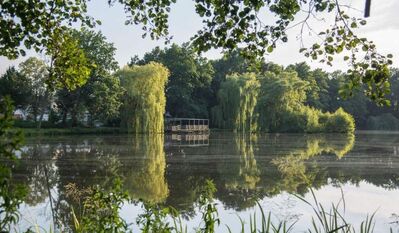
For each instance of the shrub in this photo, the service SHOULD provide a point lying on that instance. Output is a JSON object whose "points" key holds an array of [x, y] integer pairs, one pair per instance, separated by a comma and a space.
{"points": [[338, 122], [311, 117]]}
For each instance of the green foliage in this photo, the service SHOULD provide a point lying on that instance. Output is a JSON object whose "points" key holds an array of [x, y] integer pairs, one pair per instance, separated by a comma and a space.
{"points": [[69, 68], [280, 104], [230, 63], [226, 25], [32, 23], [97, 50], [101, 210], [208, 208], [144, 97], [101, 93], [36, 71], [333, 220], [237, 99], [11, 194], [370, 71], [17, 86], [188, 88], [273, 103], [103, 98], [338, 122], [266, 226], [154, 219], [282, 108]]}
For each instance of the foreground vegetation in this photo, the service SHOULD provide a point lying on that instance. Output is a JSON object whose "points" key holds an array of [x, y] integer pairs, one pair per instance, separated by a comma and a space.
{"points": [[100, 209]]}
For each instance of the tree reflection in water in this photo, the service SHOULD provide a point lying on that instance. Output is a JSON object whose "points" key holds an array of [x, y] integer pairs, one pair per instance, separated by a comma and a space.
{"points": [[244, 168], [148, 181], [296, 175]]}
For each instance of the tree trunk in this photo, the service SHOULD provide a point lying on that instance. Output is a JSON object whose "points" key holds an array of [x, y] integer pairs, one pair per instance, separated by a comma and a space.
{"points": [[35, 114], [74, 118], [64, 117], [39, 125], [91, 120]]}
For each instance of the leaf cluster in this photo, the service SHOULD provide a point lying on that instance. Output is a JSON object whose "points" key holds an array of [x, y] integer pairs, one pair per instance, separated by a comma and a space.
{"points": [[11, 195]]}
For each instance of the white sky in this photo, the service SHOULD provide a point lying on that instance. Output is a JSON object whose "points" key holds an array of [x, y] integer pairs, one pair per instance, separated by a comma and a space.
{"points": [[382, 28]]}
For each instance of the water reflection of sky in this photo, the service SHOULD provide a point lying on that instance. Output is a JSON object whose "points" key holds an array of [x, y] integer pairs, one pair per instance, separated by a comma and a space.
{"points": [[267, 166], [360, 199]]}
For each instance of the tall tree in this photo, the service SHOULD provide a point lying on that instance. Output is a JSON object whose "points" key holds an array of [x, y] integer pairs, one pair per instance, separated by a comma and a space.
{"points": [[100, 92], [37, 71], [69, 66], [305, 73], [144, 97], [280, 95], [231, 62], [17, 86], [188, 88], [237, 99], [103, 98]]}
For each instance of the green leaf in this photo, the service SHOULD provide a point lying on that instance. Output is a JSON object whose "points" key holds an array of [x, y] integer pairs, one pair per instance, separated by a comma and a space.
{"points": [[270, 49]]}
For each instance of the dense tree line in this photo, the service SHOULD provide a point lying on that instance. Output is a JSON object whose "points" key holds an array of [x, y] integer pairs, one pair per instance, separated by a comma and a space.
{"points": [[231, 91]]}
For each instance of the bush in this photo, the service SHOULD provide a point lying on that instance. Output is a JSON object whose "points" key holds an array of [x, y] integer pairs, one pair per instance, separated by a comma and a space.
{"points": [[310, 120], [311, 117], [338, 122]]}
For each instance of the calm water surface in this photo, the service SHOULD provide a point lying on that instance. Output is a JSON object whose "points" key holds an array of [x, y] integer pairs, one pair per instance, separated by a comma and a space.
{"points": [[169, 169]]}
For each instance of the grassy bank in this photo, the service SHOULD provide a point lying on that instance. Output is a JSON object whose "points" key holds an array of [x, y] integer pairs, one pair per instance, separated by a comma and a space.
{"points": [[70, 131]]}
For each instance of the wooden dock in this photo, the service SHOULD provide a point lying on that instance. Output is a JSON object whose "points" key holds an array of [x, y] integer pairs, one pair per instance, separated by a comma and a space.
{"points": [[187, 125]]}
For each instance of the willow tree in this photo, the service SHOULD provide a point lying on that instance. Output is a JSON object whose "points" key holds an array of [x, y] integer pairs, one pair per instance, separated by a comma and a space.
{"points": [[282, 108], [237, 98], [144, 97], [279, 96]]}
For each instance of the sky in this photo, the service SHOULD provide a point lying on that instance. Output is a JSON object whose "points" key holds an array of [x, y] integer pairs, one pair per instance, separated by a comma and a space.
{"points": [[382, 28]]}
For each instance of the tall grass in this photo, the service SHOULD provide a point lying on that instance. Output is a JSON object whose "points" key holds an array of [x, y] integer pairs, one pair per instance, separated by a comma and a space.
{"points": [[159, 219], [333, 220], [266, 224]]}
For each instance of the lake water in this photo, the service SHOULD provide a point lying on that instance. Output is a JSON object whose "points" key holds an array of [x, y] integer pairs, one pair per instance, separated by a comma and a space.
{"points": [[169, 169]]}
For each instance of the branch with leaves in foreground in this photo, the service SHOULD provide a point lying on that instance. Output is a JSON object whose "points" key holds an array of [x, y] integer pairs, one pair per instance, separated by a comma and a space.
{"points": [[256, 26]]}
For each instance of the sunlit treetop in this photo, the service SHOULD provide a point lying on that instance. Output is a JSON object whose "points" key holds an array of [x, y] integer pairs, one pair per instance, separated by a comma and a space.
{"points": [[226, 24]]}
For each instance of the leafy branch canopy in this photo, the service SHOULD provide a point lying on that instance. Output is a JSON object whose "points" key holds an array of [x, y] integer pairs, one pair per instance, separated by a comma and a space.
{"points": [[227, 24]]}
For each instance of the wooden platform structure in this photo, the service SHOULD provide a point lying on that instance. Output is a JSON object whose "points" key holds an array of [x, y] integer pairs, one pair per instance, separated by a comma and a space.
{"points": [[187, 125]]}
